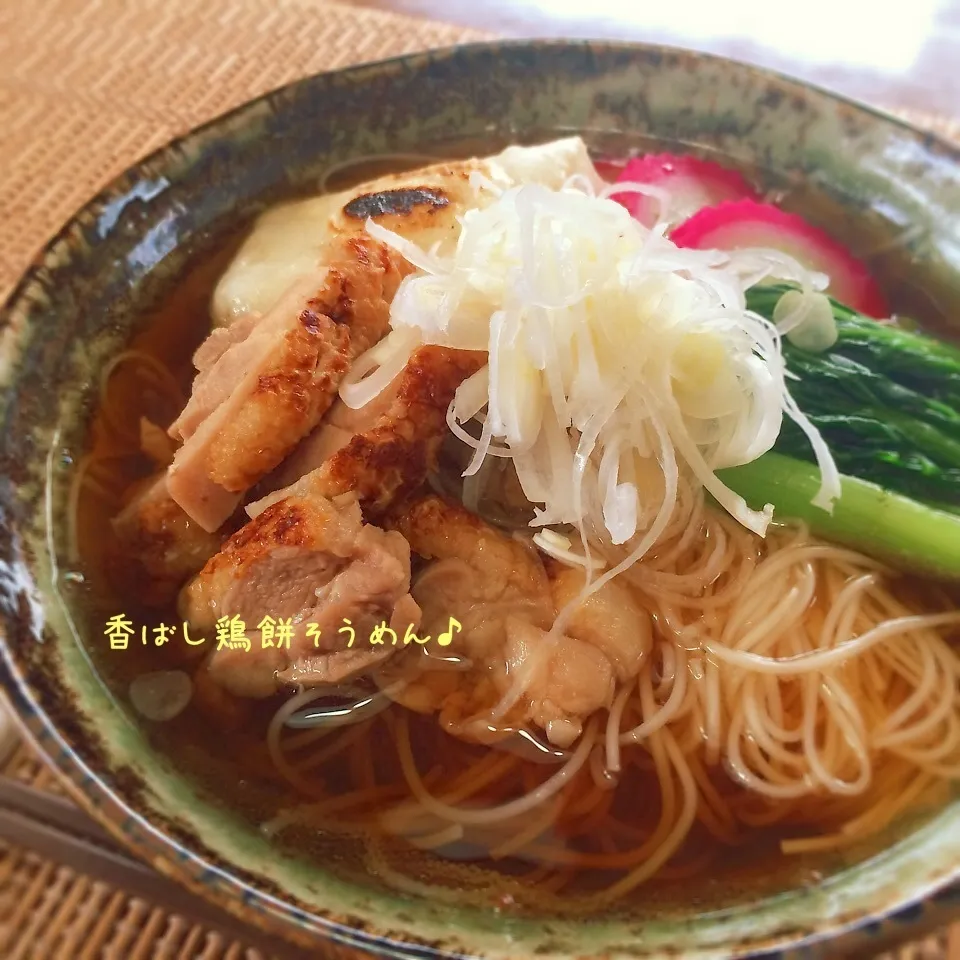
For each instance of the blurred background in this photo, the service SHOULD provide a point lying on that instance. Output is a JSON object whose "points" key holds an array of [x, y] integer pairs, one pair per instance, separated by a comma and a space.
{"points": [[903, 54]]}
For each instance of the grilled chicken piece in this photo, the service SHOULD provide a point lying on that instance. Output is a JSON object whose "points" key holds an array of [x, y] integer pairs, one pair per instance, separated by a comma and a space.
{"points": [[266, 381], [609, 620], [221, 362], [422, 205], [338, 428], [161, 545], [567, 686], [388, 459], [479, 577], [505, 601], [258, 395], [501, 570], [383, 450], [313, 560]]}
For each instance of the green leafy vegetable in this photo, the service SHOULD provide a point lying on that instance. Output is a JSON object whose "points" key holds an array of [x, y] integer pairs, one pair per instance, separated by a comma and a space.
{"points": [[886, 400], [873, 520]]}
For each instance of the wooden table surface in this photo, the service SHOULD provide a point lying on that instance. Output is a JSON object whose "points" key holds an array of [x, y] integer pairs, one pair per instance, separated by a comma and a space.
{"points": [[902, 53]]}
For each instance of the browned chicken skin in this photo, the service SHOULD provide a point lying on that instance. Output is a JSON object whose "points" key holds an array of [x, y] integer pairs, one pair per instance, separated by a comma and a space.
{"points": [[263, 392], [388, 457], [312, 561], [284, 554]]}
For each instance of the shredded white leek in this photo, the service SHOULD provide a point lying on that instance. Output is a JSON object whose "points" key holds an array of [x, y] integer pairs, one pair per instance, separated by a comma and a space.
{"points": [[558, 546], [615, 357], [806, 320]]}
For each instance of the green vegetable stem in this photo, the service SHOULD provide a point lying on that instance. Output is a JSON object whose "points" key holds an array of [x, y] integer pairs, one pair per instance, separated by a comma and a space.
{"points": [[875, 521]]}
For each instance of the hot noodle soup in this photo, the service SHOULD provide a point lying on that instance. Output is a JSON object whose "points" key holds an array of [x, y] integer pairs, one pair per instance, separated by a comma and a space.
{"points": [[528, 528]]}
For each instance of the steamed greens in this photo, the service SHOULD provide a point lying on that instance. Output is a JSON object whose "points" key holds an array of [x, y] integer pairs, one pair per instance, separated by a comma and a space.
{"points": [[887, 401], [875, 521]]}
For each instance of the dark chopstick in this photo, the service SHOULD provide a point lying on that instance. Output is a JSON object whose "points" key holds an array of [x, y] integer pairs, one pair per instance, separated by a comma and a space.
{"points": [[55, 828]]}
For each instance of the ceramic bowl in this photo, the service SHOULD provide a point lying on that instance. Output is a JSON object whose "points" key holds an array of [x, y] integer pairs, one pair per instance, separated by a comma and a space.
{"points": [[880, 184]]}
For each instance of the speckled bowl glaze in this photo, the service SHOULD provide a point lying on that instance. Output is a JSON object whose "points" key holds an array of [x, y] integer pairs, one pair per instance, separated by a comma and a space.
{"points": [[90, 290]]}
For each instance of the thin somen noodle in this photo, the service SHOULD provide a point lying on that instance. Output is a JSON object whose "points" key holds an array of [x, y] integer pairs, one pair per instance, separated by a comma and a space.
{"points": [[100, 471], [799, 669], [155, 375], [792, 683]]}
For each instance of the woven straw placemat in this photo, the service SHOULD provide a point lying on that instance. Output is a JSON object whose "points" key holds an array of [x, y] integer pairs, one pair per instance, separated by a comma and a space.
{"points": [[87, 87]]}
